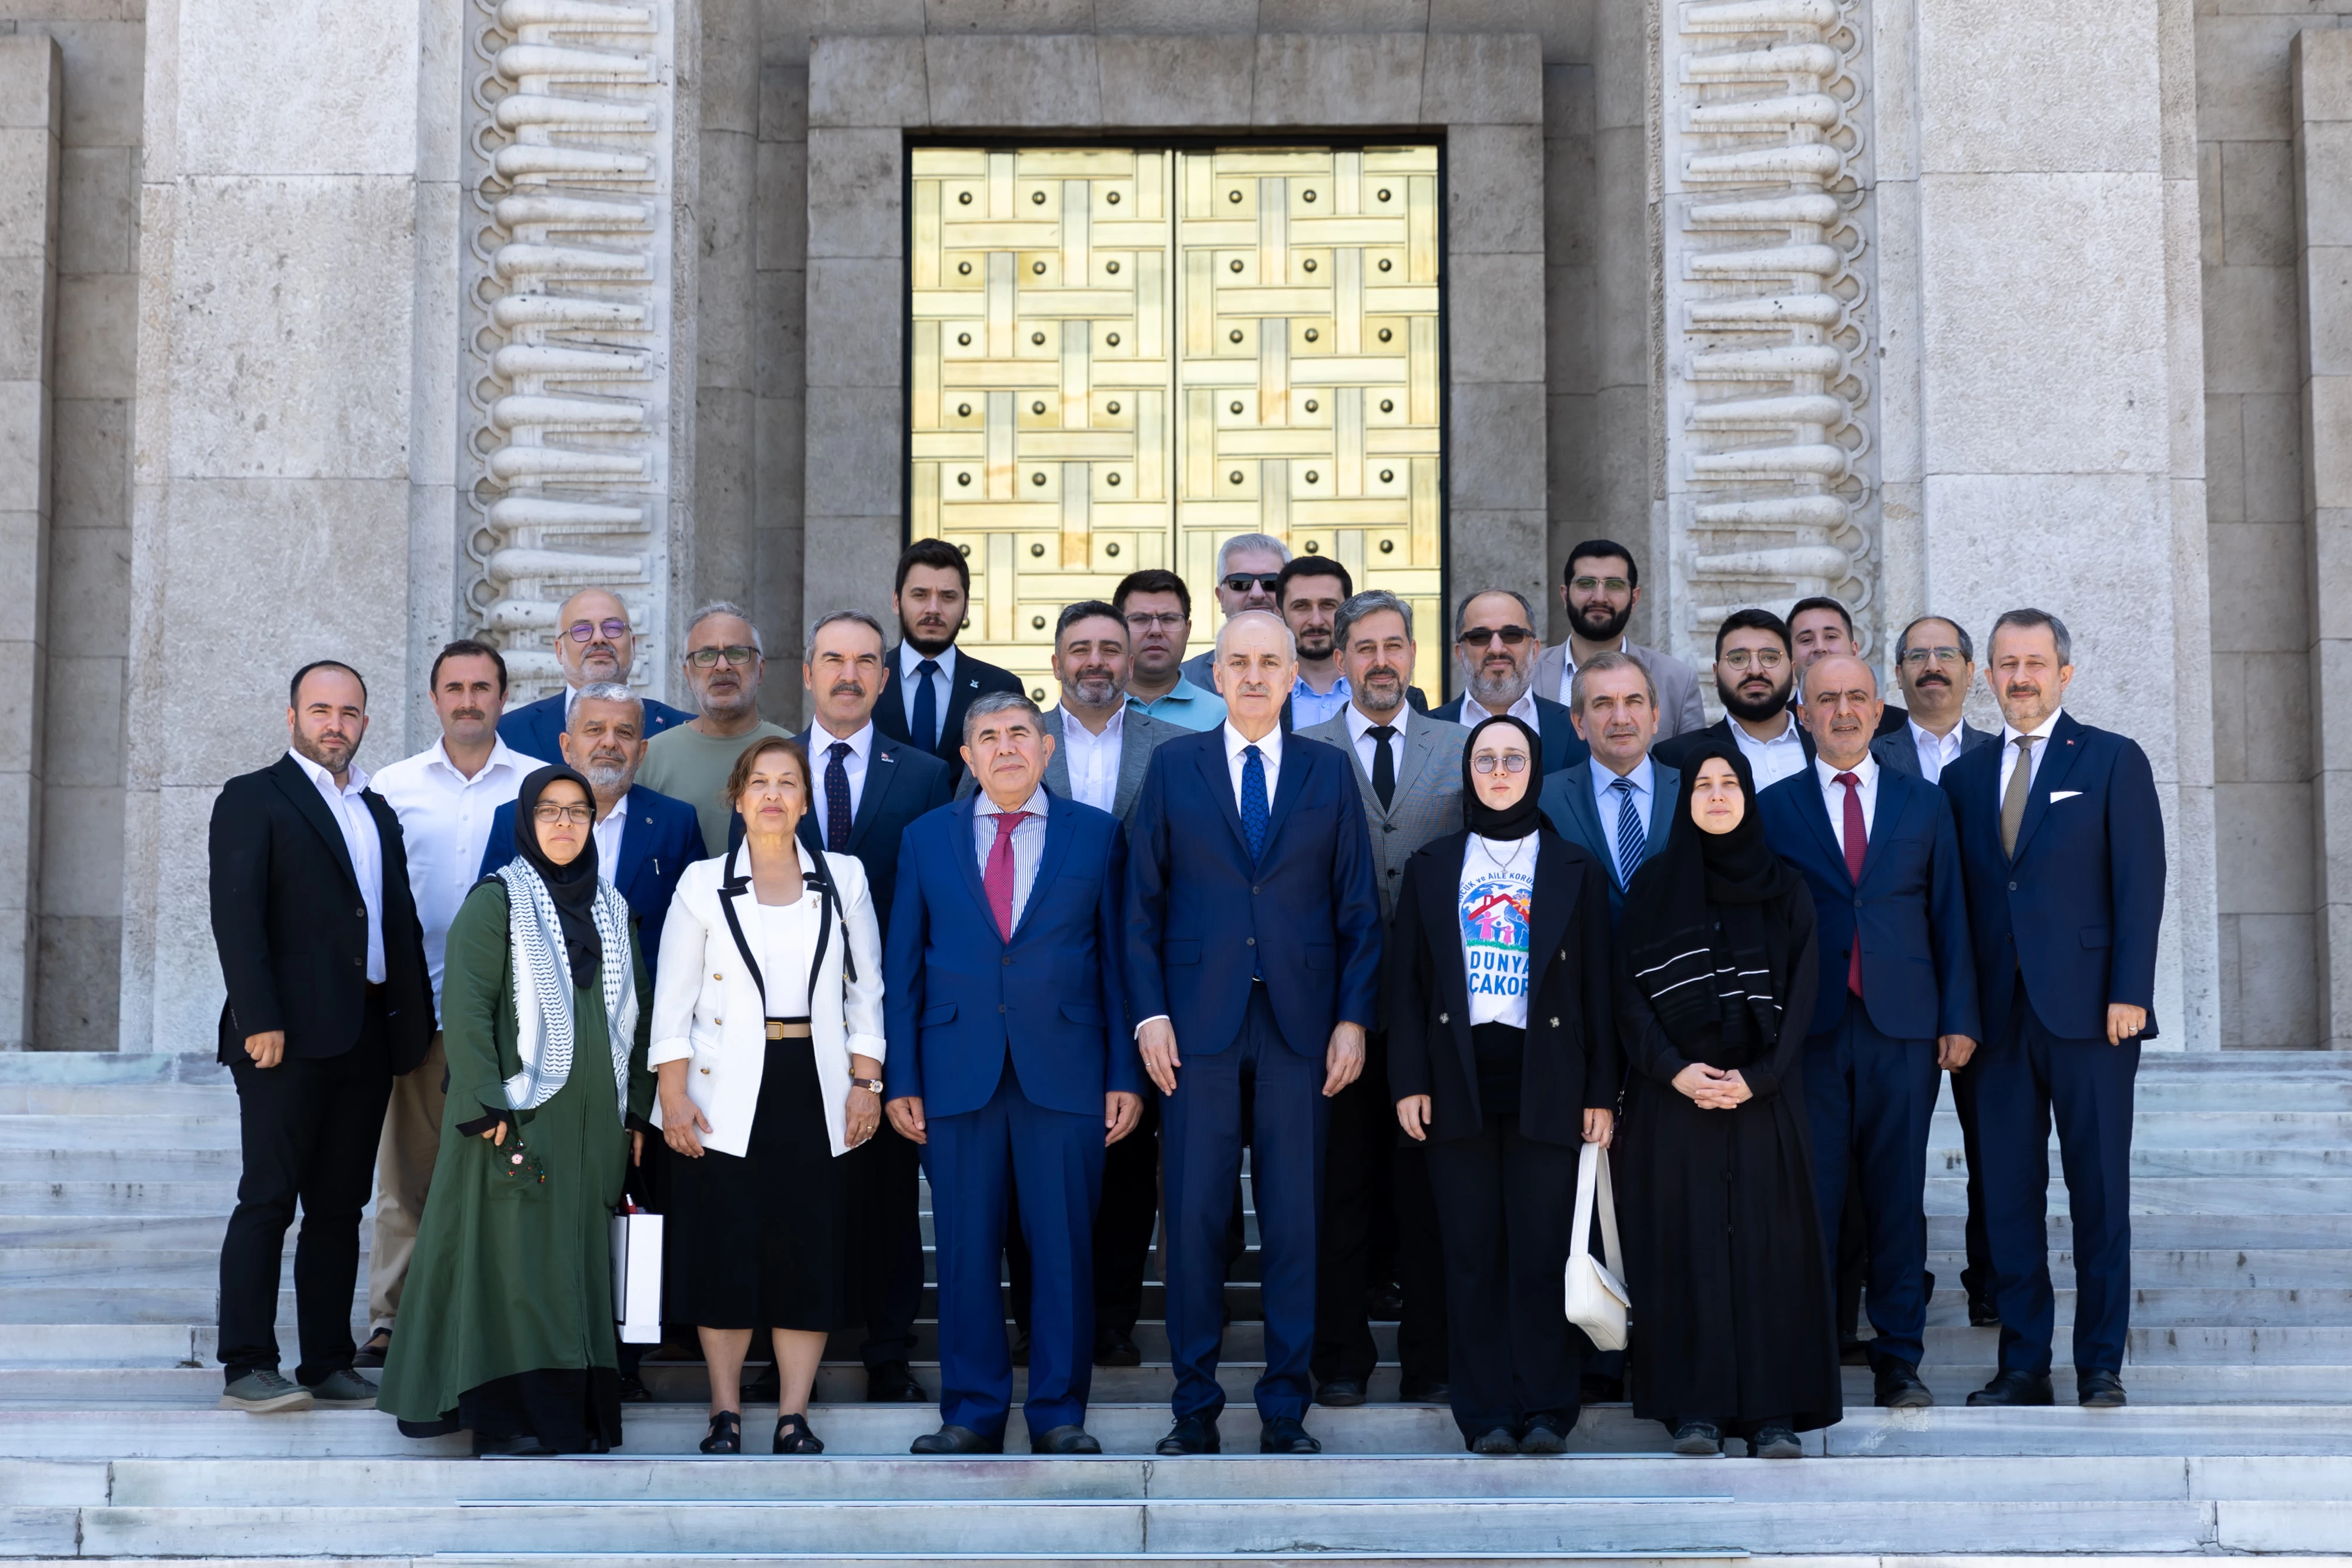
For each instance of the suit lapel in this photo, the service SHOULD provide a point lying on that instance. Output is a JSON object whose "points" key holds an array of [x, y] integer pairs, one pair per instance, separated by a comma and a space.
{"points": [[2059, 752], [299, 789], [1816, 812], [1220, 785], [1061, 827], [1896, 794], [881, 771], [1420, 745], [1584, 816], [1665, 794], [1134, 762], [967, 855], [890, 711], [1286, 793], [1057, 766], [960, 691], [636, 829]]}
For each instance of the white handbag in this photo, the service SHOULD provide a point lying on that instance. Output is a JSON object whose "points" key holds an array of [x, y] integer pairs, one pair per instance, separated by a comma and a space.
{"points": [[637, 1275], [1596, 1294]]}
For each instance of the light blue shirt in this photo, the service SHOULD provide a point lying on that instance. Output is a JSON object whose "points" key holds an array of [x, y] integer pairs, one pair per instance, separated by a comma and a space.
{"points": [[1604, 804], [1309, 707], [1028, 844], [1184, 704]]}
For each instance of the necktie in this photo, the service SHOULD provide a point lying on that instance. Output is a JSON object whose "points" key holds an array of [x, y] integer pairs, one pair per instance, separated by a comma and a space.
{"points": [[927, 707], [1254, 809], [836, 797], [2013, 800], [1858, 840], [1632, 837], [997, 880], [1383, 762]]}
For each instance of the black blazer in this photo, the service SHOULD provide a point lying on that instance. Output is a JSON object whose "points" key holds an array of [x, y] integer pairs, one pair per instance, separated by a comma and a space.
{"points": [[902, 782], [973, 677], [1573, 1063], [1674, 749], [291, 927]]}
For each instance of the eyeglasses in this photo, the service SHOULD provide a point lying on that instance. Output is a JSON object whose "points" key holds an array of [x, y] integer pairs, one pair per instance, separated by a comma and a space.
{"points": [[1171, 619], [578, 816], [1243, 581], [1914, 657], [734, 654], [1760, 658], [1509, 636], [1510, 762], [1613, 584], [585, 630]]}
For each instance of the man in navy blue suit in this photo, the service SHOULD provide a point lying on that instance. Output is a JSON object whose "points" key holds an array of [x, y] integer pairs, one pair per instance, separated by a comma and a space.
{"points": [[2062, 842], [1898, 1000], [1495, 639], [1012, 1065], [1252, 944], [1617, 804], [593, 644], [929, 682]]}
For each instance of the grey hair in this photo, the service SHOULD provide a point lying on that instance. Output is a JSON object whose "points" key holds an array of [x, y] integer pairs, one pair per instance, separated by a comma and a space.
{"points": [[606, 692], [2030, 618], [1289, 638], [726, 607], [1968, 643], [1601, 665], [857, 615], [996, 702], [1371, 602], [1462, 611], [1250, 541]]}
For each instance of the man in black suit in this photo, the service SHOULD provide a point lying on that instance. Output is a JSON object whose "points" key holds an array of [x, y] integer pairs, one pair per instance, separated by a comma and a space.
{"points": [[1495, 638], [929, 682], [329, 999], [1754, 670], [1819, 627], [868, 789]]}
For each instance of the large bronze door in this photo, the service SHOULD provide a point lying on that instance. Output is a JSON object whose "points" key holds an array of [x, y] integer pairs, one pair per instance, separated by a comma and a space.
{"points": [[1120, 357]]}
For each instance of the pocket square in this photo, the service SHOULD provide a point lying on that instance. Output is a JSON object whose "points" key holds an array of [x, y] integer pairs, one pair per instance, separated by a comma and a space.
{"points": [[2058, 795]]}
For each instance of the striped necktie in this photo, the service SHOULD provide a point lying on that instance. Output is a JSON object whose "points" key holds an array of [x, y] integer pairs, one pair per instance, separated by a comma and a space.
{"points": [[1631, 838]]}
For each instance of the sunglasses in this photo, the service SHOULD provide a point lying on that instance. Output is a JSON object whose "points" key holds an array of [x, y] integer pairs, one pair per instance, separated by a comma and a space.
{"points": [[1243, 581], [1509, 636], [585, 630]]}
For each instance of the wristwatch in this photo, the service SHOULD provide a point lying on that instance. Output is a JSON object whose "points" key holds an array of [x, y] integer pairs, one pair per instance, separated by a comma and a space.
{"points": [[874, 1085]]}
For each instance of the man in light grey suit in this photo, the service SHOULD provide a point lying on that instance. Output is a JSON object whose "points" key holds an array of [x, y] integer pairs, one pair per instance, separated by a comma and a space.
{"points": [[1599, 589], [1619, 804], [1408, 769]]}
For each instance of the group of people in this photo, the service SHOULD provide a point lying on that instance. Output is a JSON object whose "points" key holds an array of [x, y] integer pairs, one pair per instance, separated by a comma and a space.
{"points": [[1074, 963]]}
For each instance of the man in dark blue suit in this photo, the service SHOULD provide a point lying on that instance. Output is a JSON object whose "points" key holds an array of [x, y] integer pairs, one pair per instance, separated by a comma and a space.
{"points": [[1495, 638], [1617, 804], [2062, 842], [1011, 1063], [1253, 940], [594, 644], [1898, 1000]]}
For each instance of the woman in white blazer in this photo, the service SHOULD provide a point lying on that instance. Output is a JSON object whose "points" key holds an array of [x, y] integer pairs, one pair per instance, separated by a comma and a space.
{"points": [[767, 1038]]}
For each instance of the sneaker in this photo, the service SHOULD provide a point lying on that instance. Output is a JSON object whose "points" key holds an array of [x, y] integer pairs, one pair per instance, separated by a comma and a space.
{"points": [[345, 1389], [1774, 1443], [265, 1391], [1698, 1438]]}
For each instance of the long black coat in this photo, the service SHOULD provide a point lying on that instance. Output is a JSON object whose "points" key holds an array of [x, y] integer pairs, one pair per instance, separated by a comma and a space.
{"points": [[1571, 1061], [1732, 1320]]}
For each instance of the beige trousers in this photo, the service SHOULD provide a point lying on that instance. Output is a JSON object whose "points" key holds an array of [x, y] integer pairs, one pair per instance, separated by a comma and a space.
{"points": [[404, 1170]]}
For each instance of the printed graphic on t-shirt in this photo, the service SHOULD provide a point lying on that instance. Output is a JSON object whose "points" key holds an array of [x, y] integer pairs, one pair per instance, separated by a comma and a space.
{"points": [[1494, 933]]}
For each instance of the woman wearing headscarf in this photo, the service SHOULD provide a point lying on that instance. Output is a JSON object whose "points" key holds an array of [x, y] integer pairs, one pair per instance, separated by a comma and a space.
{"points": [[1734, 1332], [1503, 1057], [507, 1328]]}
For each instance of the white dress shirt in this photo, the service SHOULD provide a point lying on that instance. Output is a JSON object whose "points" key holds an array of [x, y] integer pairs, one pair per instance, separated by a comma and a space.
{"points": [[1093, 760], [1775, 760], [1475, 713], [1269, 751], [1644, 779], [861, 750], [1568, 671], [1937, 751], [1028, 843], [942, 683], [1866, 779], [607, 834], [444, 826], [1309, 707], [2009, 734], [366, 847], [1367, 749]]}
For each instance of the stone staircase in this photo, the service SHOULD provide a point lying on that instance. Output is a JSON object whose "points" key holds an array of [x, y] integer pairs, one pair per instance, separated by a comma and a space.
{"points": [[117, 1174]]}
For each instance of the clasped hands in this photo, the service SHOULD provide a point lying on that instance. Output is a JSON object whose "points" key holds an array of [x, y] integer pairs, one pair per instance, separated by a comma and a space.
{"points": [[1343, 1058], [1714, 1088]]}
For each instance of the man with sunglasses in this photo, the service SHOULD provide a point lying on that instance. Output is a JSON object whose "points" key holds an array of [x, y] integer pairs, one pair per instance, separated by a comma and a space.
{"points": [[1600, 586], [1495, 639], [1249, 577], [593, 644], [690, 762]]}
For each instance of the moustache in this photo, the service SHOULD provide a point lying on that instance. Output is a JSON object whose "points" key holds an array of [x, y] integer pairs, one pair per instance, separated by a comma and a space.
{"points": [[846, 689], [1932, 680], [467, 712]]}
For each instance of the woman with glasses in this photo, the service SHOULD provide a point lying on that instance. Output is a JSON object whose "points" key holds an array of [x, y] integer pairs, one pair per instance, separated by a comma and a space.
{"points": [[506, 1326], [1503, 1058], [1736, 1335], [768, 1040]]}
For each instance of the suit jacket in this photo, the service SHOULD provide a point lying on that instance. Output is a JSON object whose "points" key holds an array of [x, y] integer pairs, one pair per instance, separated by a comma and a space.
{"points": [[2075, 913], [973, 678], [1673, 752], [1139, 734], [1562, 746], [1900, 752], [1909, 910], [1679, 708], [533, 728], [662, 837], [960, 999], [291, 922], [1201, 917], [1568, 805], [902, 782], [1571, 1060], [1428, 798]]}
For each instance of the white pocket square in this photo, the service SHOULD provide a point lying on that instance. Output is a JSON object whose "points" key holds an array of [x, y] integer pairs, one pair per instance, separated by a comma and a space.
{"points": [[2058, 795]]}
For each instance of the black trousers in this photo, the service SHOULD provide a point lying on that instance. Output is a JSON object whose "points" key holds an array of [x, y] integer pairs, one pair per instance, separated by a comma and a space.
{"points": [[310, 1127], [1977, 1278], [1124, 1224], [1507, 1209], [1364, 1181], [885, 1244]]}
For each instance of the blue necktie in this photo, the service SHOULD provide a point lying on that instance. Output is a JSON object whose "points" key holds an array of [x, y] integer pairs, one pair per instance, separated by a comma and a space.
{"points": [[927, 707], [836, 798], [1630, 839], [1254, 811]]}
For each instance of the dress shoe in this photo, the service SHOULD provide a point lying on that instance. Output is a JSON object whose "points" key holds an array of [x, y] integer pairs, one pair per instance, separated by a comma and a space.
{"points": [[633, 1390], [1424, 1391], [345, 1390], [1499, 1441], [1775, 1442], [1117, 1347], [955, 1440], [371, 1354], [1899, 1388], [1339, 1391], [1545, 1434], [525, 1446], [893, 1383], [1983, 1313], [2014, 1388], [265, 1392], [1020, 1347], [1064, 1440], [1191, 1434], [1600, 1388], [1698, 1438], [1286, 1434], [2098, 1390]]}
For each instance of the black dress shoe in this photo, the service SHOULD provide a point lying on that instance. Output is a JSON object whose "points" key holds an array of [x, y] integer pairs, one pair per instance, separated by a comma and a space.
{"points": [[893, 1383], [955, 1440], [1117, 1347], [1424, 1391], [1191, 1434], [1338, 1392], [2098, 1390], [1020, 1347], [1064, 1440], [633, 1390], [1899, 1388], [372, 1354], [2014, 1388], [1286, 1434], [1545, 1434], [1982, 1312]]}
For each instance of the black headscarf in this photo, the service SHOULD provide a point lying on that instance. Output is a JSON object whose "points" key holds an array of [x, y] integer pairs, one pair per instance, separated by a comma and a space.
{"points": [[1510, 823], [573, 886], [1707, 926]]}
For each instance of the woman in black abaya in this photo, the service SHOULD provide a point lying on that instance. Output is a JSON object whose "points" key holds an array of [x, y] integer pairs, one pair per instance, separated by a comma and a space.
{"points": [[1734, 1332]]}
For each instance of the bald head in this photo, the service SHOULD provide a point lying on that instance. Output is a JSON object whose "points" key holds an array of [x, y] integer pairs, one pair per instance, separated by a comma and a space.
{"points": [[1841, 708], [593, 639], [1258, 660]]}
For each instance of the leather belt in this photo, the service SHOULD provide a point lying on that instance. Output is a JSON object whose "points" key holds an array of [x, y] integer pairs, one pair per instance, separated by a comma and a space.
{"points": [[788, 1028]]}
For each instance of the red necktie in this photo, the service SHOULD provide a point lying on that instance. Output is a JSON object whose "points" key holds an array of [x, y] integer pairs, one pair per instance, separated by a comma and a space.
{"points": [[1858, 840], [997, 880]]}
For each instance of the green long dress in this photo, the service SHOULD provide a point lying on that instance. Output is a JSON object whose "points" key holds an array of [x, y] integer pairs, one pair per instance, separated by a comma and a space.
{"points": [[507, 1319]]}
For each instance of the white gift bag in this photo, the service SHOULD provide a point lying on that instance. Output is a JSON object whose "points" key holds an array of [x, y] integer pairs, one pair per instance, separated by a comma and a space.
{"points": [[637, 1276], [1596, 1295]]}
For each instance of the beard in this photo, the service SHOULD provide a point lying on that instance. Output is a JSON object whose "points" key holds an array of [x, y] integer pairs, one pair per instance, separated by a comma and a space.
{"points": [[607, 776], [1495, 690], [1382, 691], [1755, 710], [1093, 689], [1315, 645], [1609, 628], [923, 643]]}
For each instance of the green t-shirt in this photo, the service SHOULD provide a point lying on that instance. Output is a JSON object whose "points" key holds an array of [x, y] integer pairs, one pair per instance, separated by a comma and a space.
{"points": [[688, 765]]}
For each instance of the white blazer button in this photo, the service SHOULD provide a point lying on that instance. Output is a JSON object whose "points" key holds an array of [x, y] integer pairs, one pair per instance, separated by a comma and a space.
{"points": [[718, 976], [706, 1071], [717, 1021]]}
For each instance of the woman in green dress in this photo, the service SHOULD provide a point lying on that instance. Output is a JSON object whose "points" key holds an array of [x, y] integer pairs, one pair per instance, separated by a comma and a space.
{"points": [[506, 1326]]}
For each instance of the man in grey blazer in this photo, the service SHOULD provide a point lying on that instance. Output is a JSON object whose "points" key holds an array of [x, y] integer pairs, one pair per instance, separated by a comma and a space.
{"points": [[1408, 769], [1599, 588], [1617, 804]]}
